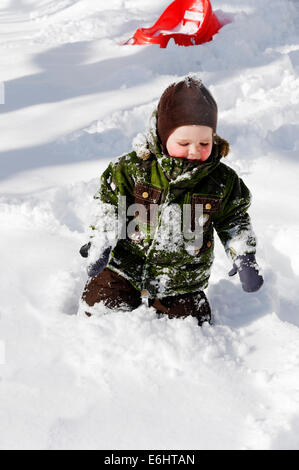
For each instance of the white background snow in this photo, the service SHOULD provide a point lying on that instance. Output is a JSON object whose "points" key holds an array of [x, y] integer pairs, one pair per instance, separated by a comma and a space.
{"points": [[74, 99]]}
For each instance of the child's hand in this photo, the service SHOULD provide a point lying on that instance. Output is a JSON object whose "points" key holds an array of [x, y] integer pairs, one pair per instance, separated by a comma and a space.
{"points": [[85, 249], [96, 268], [249, 275]]}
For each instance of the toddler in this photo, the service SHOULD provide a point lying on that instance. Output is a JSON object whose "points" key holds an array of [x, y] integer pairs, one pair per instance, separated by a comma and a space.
{"points": [[141, 247]]}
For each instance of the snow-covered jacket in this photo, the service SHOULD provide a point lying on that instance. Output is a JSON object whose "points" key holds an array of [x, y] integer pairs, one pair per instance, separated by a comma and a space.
{"points": [[153, 253]]}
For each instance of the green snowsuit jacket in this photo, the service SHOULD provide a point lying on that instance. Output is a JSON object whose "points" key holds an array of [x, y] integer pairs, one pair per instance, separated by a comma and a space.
{"points": [[153, 254]]}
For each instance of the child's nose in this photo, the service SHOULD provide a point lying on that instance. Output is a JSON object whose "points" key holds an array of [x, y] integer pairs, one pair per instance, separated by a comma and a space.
{"points": [[195, 149]]}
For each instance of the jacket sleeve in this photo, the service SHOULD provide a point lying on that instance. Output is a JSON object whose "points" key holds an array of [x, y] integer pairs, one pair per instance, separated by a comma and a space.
{"points": [[233, 223], [104, 229]]}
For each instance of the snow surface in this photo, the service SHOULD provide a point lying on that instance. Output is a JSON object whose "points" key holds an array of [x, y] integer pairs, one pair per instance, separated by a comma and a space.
{"points": [[74, 99]]}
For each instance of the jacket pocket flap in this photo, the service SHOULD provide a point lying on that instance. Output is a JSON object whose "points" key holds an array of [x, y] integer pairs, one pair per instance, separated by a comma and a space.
{"points": [[147, 194], [210, 204]]}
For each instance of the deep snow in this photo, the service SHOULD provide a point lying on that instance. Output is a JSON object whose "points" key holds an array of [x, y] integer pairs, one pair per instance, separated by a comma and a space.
{"points": [[74, 99]]}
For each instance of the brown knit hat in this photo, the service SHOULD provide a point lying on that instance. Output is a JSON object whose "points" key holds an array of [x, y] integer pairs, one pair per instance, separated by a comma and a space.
{"points": [[183, 103]]}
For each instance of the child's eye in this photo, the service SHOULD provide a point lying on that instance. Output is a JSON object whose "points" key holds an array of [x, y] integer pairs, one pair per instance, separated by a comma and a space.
{"points": [[183, 145], [204, 144]]}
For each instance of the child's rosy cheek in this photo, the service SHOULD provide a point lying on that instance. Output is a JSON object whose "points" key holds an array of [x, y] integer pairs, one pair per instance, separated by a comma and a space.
{"points": [[176, 151], [205, 152]]}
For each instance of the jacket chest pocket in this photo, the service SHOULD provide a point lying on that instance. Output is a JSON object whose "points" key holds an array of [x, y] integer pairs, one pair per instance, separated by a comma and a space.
{"points": [[210, 206], [148, 197]]}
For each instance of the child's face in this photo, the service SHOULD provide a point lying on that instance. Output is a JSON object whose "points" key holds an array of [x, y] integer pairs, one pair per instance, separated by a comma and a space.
{"points": [[192, 142]]}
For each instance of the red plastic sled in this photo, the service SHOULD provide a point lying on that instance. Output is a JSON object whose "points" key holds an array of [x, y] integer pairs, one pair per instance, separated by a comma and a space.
{"points": [[188, 22]]}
